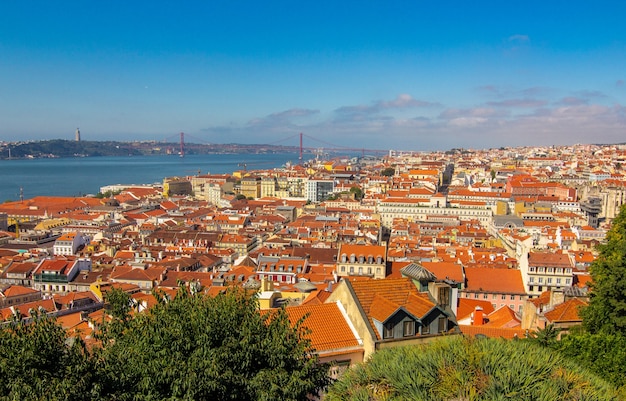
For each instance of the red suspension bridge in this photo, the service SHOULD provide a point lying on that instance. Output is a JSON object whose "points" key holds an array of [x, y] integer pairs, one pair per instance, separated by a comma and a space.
{"points": [[285, 142]]}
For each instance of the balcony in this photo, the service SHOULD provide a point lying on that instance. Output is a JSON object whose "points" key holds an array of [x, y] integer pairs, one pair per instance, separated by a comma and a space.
{"points": [[50, 278]]}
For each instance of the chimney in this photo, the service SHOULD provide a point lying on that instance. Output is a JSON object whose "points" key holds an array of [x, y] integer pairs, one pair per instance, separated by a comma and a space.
{"points": [[478, 317], [557, 297]]}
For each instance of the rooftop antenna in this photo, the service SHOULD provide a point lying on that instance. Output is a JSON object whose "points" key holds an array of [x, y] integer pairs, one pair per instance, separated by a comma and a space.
{"points": [[300, 158]]}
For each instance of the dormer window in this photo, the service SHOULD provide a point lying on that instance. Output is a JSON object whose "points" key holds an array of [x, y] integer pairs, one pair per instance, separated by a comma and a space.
{"points": [[442, 324], [388, 330], [408, 328]]}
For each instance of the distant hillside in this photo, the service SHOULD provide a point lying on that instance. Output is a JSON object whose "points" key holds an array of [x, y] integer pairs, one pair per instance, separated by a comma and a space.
{"points": [[65, 148]]}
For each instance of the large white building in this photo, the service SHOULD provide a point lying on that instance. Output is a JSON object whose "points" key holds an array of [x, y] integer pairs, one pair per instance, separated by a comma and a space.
{"points": [[420, 210], [545, 271], [318, 190], [68, 243]]}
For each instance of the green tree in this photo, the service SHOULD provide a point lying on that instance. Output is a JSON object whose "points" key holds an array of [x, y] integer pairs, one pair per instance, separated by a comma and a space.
{"points": [[546, 336], [388, 172], [603, 354], [606, 312], [458, 368], [195, 347], [39, 361], [357, 192]]}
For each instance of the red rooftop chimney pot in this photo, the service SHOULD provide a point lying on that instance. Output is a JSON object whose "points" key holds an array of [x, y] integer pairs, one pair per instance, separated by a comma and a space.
{"points": [[478, 317]]}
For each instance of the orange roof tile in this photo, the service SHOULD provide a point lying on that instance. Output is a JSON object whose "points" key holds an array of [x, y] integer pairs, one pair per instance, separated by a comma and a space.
{"points": [[566, 312], [365, 250], [486, 279], [381, 308], [329, 330], [503, 317], [18, 290], [47, 304], [492, 332], [418, 304], [317, 297], [70, 320], [443, 270], [549, 259], [398, 291], [542, 299], [467, 306], [56, 265]]}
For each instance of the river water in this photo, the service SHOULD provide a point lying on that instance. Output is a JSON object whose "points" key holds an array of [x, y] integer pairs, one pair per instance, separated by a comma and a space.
{"points": [[79, 176]]}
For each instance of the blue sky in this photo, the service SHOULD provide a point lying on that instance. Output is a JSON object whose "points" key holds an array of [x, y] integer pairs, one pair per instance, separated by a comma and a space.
{"points": [[412, 75]]}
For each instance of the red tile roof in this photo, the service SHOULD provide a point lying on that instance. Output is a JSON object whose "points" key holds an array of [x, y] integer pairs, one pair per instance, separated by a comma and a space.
{"points": [[24, 309], [443, 270], [568, 311], [549, 259], [56, 265], [395, 291], [467, 306], [503, 317], [493, 332], [364, 250], [486, 279], [328, 325], [18, 290]]}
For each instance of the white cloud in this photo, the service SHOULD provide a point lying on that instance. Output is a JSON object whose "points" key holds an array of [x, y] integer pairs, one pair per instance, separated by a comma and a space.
{"points": [[518, 103], [402, 101], [570, 120], [467, 121], [572, 101], [449, 114]]}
